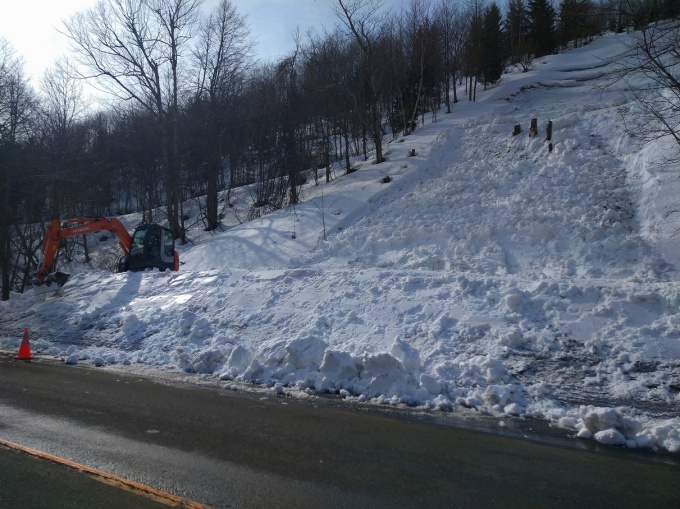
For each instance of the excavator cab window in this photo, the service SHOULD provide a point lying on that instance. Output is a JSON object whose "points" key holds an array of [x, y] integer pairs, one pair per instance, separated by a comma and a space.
{"points": [[136, 258], [137, 247], [152, 246], [168, 255]]}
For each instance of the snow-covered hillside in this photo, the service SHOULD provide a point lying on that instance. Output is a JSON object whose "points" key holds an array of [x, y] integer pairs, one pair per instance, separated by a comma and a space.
{"points": [[488, 273]]}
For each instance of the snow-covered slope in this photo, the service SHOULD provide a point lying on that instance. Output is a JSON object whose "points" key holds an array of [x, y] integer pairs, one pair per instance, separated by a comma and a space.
{"points": [[489, 273]]}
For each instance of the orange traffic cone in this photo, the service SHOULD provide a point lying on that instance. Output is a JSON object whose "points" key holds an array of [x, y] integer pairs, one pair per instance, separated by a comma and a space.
{"points": [[25, 349]]}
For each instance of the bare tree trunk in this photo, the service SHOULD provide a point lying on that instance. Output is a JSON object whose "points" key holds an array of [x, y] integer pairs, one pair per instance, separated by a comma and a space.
{"points": [[5, 259], [362, 19]]}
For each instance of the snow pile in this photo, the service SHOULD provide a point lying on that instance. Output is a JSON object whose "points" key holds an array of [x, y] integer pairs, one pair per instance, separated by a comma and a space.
{"points": [[489, 273]]}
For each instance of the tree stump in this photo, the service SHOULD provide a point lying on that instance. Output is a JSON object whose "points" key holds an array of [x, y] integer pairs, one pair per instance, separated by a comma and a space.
{"points": [[548, 131], [518, 129], [533, 130]]}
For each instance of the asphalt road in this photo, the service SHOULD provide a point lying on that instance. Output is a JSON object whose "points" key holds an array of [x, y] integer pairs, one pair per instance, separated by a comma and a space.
{"points": [[29, 482], [228, 448]]}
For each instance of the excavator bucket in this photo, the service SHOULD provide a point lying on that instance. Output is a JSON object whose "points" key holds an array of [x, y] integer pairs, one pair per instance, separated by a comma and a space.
{"points": [[61, 277], [52, 283]]}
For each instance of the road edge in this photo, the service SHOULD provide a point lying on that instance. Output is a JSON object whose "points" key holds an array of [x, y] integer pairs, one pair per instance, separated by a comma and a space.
{"points": [[114, 480]]}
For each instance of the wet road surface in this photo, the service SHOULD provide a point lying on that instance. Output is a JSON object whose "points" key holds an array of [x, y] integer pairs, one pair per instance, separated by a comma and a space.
{"points": [[228, 448]]}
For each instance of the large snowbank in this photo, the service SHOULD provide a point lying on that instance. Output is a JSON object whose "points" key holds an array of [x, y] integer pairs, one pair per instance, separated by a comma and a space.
{"points": [[490, 273]]}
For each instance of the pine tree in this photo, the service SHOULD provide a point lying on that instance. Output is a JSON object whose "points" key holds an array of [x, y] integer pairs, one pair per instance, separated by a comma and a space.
{"points": [[516, 30], [493, 50], [542, 27], [474, 49], [670, 9]]}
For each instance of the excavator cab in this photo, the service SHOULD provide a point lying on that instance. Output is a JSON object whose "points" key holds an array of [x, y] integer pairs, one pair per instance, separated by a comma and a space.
{"points": [[152, 247]]}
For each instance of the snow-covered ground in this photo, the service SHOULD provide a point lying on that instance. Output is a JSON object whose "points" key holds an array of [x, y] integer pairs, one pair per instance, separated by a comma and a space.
{"points": [[490, 273]]}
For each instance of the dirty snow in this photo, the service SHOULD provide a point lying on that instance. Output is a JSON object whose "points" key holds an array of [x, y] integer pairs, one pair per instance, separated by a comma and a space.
{"points": [[490, 273]]}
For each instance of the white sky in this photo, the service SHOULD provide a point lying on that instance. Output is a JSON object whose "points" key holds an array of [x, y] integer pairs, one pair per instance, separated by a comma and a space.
{"points": [[31, 25]]}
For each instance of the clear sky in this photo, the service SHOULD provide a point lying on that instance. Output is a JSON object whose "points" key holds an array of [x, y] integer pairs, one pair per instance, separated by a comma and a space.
{"points": [[31, 25], [273, 22]]}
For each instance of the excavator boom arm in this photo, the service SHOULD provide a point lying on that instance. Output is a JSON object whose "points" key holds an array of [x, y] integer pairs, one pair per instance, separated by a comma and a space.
{"points": [[56, 231]]}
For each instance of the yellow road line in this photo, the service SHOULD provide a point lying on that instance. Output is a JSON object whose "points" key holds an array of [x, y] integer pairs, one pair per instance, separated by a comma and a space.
{"points": [[114, 480]]}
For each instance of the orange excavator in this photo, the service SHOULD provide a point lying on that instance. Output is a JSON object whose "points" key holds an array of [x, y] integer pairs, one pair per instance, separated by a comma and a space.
{"points": [[150, 246]]}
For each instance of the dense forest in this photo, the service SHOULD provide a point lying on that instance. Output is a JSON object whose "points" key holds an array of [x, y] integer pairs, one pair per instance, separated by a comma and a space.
{"points": [[193, 114]]}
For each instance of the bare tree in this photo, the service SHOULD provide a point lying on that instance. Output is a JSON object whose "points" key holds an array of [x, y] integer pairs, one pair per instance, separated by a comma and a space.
{"points": [[261, 160], [449, 18], [17, 101], [63, 100], [330, 74], [474, 45], [420, 36], [362, 19], [656, 50], [322, 208], [292, 120], [177, 19], [17, 104], [134, 49], [222, 59], [651, 69], [62, 106]]}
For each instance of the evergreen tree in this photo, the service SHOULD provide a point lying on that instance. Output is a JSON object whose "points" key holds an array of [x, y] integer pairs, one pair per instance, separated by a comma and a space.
{"points": [[516, 30], [670, 9], [493, 50], [542, 27], [474, 48], [569, 22]]}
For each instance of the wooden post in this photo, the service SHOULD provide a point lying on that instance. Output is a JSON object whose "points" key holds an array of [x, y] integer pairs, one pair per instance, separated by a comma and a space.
{"points": [[518, 129], [548, 133], [533, 130]]}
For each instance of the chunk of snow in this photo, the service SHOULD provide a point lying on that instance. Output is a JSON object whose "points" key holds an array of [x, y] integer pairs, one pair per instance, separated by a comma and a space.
{"points": [[430, 384], [306, 352], [610, 436], [407, 354], [645, 441], [239, 359], [585, 433]]}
